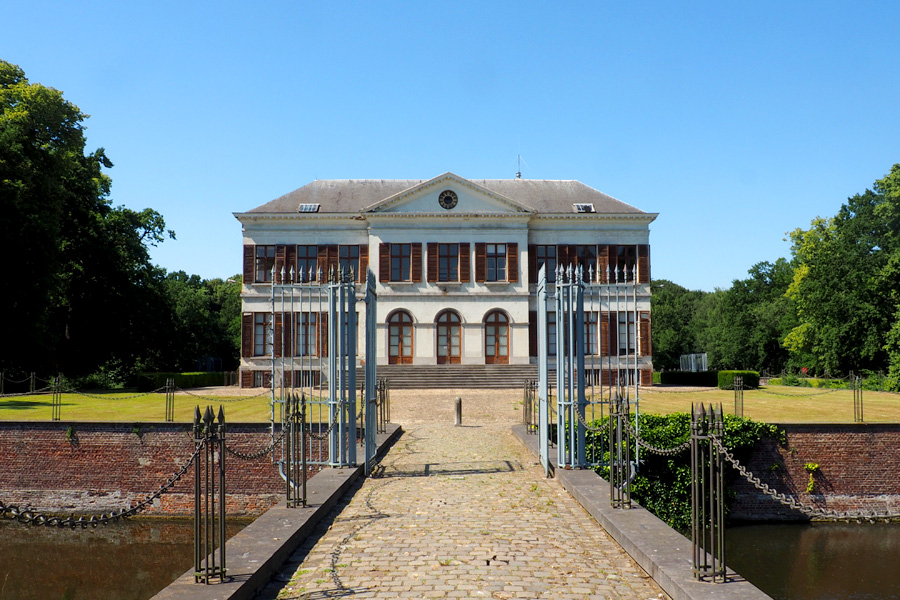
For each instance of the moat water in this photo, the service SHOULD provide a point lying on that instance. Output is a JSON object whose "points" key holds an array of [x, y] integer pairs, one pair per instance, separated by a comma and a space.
{"points": [[827, 561], [136, 559], [131, 560]]}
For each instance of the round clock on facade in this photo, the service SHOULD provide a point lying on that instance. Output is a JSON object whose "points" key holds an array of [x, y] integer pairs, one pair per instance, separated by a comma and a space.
{"points": [[448, 199]]}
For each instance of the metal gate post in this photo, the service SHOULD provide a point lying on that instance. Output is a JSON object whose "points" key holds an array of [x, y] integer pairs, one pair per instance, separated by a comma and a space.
{"points": [[170, 399], [579, 401], [209, 496], [857, 400], [543, 372], [349, 366], [619, 453], [371, 405], [707, 494], [739, 396]]}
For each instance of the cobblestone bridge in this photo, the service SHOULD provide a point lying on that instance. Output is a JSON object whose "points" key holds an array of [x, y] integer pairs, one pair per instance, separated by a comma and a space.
{"points": [[460, 512]]}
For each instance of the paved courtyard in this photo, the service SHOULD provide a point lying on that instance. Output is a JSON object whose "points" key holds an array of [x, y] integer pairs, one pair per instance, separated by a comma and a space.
{"points": [[460, 512]]}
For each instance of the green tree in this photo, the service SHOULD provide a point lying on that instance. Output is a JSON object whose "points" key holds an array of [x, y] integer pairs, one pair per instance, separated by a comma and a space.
{"points": [[673, 308], [83, 291], [845, 283]]}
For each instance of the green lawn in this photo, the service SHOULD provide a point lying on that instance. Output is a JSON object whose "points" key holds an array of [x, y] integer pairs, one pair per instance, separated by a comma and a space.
{"points": [[781, 404], [99, 406], [774, 404]]}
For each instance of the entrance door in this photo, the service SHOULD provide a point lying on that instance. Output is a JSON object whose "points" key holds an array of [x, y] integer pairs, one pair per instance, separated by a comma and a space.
{"points": [[448, 338], [400, 327], [496, 339]]}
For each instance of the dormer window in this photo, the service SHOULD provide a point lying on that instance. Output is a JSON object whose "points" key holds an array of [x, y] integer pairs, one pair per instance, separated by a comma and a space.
{"points": [[308, 208], [584, 208]]}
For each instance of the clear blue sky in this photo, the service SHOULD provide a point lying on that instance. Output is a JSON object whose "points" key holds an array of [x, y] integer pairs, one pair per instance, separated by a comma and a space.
{"points": [[737, 122]]}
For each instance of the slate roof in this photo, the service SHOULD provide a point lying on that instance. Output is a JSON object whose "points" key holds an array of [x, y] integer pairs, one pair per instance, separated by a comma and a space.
{"points": [[354, 195]]}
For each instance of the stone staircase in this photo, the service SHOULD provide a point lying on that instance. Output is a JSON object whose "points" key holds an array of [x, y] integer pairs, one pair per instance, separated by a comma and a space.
{"points": [[457, 376]]}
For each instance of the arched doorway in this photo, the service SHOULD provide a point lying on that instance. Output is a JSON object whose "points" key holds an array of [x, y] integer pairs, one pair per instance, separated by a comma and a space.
{"points": [[400, 338], [496, 338], [448, 338]]}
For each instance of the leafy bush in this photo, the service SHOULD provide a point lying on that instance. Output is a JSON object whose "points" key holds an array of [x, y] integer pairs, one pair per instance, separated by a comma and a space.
{"points": [[691, 378], [726, 379], [663, 483], [657, 377]]}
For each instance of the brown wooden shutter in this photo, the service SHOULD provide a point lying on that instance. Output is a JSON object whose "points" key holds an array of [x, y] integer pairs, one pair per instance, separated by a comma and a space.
{"points": [[607, 340], [566, 255], [415, 261], [532, 333], [290, 263], [363, 262], [643, 263], [333, 260], [290, 327], [280, 260], [384, 262], [276, 335], [432, 261], [246, 378], [322, 337], [603, 263], [613, 262], [512, 262], [322, 261], [480, 262], [532, 264], [646, 347], [465, 267], [249, 263], [646, 377], [247, 334]]}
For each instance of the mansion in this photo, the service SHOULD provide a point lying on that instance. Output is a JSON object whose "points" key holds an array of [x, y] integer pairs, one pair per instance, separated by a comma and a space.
{"points": [[455, 263]]}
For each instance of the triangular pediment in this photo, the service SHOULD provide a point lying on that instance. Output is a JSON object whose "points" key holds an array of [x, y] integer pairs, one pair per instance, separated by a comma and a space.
{"points": [[446, 194]]}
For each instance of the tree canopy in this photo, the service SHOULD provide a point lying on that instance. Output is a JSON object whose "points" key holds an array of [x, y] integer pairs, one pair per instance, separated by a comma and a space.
{"points": [[834, 307], [81, 292]]}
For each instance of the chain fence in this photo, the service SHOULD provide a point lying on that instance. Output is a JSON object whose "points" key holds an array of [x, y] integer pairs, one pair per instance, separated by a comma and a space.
{"points": [[27, 516], [813, 512]]}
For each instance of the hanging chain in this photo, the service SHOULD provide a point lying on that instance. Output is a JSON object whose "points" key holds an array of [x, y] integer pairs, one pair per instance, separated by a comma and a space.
{"points": [[30, 517], [219, 398], [97, 397], [791, 502], [600, 429], [663, 451], [260, 453]]}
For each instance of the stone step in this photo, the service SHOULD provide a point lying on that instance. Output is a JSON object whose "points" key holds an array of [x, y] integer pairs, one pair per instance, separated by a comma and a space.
{"points": [[457, 376]]}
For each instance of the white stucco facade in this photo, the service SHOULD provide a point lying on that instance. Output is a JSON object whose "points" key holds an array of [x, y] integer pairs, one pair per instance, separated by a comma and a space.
{"points": [[454, 259]]}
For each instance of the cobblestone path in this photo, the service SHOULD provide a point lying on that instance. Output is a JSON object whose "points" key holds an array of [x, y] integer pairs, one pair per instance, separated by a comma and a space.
{"points": [[461, 512]]}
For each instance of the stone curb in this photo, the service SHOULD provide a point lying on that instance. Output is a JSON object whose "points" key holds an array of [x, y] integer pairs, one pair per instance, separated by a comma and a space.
{"points": [[258, 551], [662, 552]]}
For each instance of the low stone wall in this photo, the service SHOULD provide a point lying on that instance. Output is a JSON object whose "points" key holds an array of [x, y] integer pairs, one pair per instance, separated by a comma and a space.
{"points": [[858, 465], [98, 467]]}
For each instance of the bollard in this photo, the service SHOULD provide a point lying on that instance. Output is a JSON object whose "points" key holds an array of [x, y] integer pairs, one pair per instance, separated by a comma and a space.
{"points": [[458, 412]]}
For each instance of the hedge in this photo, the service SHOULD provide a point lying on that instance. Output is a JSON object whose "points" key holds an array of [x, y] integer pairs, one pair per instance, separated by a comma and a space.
{"points": [[726, 379], [694, 378], [153, 381]]}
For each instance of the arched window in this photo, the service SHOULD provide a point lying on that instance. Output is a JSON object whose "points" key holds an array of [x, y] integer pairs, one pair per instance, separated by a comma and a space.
{"points": [[448, 338], [400, 338], [496, 338]]}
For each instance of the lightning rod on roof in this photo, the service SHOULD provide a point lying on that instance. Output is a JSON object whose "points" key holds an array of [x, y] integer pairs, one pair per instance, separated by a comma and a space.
{"points": [[519, 172]]}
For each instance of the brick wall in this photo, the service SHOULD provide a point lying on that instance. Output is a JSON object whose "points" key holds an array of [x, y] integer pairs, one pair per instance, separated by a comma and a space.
{"points": [[858, 466], [108, 466]]}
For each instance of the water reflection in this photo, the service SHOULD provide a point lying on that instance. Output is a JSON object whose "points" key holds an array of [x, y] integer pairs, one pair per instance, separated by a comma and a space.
{"points": [[818, 561], [123, 561]]}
